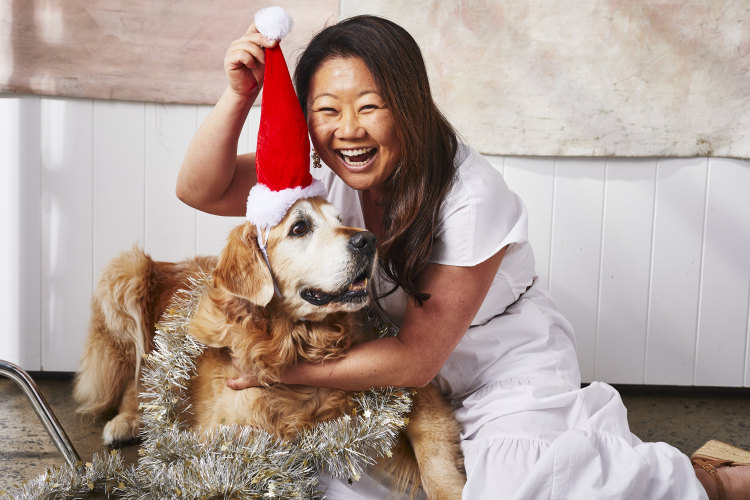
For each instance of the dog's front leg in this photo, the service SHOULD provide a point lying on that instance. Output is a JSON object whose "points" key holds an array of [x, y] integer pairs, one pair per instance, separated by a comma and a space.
{"points": [[126, 425], [434, 436]]}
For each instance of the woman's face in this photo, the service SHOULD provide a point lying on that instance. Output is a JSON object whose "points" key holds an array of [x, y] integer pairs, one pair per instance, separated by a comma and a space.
{"points": [[351, 128]]}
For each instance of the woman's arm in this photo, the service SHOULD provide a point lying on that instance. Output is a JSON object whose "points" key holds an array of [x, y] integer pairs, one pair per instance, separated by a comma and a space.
{"points": [[212, 177], [425, 341]]}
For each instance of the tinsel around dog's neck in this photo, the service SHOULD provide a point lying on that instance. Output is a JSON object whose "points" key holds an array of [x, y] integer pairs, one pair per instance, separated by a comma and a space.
{"points": [[230, 461]]}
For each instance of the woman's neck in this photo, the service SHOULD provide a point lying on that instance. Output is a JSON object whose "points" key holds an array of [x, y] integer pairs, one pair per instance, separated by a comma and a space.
{"points": [[372, 211]]}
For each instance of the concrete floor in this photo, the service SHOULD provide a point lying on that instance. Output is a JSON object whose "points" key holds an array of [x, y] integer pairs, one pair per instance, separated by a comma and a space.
{"points": [[683, 417]]}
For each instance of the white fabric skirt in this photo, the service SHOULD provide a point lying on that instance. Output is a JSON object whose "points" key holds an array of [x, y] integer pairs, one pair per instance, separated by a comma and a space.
{"points": [[554, 445], [530, 432], [568, 444]]}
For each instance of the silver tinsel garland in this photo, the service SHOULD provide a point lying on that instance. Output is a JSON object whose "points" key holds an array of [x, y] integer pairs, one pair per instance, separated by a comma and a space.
{"points": [[231, 461]]}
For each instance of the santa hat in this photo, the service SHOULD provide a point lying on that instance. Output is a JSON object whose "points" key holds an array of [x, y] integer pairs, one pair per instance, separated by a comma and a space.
{"points": [[282, 156]]}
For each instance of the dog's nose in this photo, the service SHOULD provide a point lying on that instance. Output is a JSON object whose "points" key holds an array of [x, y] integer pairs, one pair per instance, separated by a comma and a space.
{"points": [[363, 241]]}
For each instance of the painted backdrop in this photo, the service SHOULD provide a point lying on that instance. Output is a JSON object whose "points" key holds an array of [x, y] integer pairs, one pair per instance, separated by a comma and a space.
{"points": [[530, 77]]}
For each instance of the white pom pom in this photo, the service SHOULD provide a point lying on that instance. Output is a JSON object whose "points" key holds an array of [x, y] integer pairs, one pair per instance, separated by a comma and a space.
{"points": [[273, 22], [266, 208]]}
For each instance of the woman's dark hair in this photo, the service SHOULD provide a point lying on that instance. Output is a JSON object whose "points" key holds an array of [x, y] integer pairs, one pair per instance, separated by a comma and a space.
{"points": [[415, 190]]}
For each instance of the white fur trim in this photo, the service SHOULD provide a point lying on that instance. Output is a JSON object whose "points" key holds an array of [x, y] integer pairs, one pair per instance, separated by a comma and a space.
{"points": [[266, 208], [273, 22]]}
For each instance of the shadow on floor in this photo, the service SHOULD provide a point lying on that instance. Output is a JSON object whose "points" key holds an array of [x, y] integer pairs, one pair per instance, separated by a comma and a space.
{"points": [[682, 417]]}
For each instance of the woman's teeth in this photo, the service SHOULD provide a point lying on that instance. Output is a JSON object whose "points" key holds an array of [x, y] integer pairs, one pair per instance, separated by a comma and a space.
{"points": [[356, 157]]}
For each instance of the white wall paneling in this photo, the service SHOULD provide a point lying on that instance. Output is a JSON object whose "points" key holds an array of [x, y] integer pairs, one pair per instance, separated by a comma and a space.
{"points": [[533, 180], [576, 247], [627, 228], [119, 179], [648, 258], [721, 350], [675, 270], [210, 230], [20, 230], [168, 130], [66, 200]]}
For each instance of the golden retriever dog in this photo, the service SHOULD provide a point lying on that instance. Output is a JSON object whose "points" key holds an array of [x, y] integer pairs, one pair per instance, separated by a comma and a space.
{"points": [[322, 270]]}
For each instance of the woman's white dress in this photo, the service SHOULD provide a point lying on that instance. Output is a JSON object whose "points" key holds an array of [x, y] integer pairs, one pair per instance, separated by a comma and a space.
{"points": [[528, 428]]}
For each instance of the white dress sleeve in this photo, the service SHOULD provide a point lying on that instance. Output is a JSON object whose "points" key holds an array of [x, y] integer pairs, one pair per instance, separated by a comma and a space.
{"points": [[480, 215]]}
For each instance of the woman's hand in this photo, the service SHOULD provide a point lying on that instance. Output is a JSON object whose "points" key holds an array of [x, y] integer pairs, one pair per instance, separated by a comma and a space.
{"points": [[244, 381], [244, 62]]}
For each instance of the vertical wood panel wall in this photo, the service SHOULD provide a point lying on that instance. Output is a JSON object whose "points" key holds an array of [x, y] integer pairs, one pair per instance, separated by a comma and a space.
{"points": [[648, 258]]}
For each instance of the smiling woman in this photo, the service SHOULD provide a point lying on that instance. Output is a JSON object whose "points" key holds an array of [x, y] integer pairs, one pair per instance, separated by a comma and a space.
{"points": [[351, 126], [366, 95], [456, 276]]}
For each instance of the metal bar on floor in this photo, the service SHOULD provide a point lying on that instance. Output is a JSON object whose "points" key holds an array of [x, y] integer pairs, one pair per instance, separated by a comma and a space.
{"points": [[43, 411]]}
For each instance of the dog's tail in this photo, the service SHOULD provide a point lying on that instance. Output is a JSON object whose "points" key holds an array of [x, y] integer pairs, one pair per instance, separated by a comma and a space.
{"points": [[119, 332]]}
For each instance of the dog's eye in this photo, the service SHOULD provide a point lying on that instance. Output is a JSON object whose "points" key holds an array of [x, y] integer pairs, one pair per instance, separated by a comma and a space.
{"points": [[299, 228]]}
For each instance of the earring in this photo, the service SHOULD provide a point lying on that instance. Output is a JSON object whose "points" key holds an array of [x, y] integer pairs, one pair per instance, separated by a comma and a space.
{"points": [[316, 159]]}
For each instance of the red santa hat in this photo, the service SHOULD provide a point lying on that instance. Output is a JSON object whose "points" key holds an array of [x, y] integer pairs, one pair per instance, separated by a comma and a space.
{"points": [[282, 156]]}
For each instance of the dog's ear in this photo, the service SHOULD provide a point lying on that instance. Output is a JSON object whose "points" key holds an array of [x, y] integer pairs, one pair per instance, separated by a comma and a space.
{"points": [[241, 269]]}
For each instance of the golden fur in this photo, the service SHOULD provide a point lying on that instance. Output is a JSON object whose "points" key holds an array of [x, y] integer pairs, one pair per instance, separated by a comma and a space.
{"points": [[322, 269]]}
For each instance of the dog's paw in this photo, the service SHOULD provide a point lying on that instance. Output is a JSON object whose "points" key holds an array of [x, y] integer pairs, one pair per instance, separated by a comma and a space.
{"points": [[122, 429]]}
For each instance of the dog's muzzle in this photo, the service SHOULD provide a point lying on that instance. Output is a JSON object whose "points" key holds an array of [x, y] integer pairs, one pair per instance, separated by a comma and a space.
{"points": [[363, 245]]}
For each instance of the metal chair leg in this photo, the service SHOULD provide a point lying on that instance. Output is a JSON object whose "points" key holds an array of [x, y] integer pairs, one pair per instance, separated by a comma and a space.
{"points": [[43, 411]]}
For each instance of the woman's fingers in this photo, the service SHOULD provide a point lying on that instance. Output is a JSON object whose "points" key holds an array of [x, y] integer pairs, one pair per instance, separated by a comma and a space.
{"points": [[242, 382], [251, 30], [253, 34], [244, 61]]}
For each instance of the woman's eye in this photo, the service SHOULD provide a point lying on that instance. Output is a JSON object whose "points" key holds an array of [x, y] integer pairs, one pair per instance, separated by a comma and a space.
{"points": [[299, 228], [369, 107]]}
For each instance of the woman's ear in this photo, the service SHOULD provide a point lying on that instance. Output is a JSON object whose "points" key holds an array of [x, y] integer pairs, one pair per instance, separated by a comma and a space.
{"points": [[241, 270]]}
